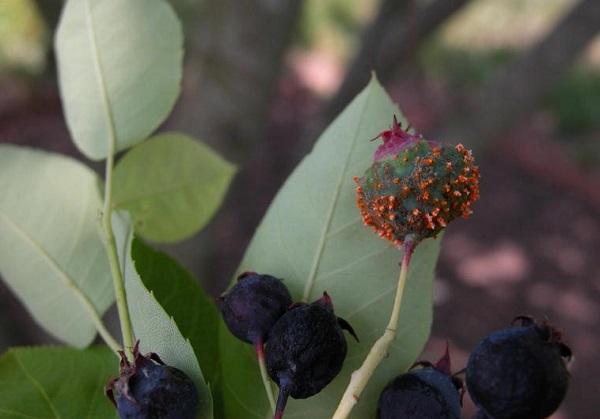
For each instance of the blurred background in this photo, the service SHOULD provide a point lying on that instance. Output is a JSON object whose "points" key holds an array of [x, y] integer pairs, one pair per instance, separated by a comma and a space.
{"points": [[516, 80]]}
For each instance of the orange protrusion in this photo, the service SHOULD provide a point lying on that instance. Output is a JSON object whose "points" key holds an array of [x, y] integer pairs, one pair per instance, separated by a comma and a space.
{"points": [[429, 222]]}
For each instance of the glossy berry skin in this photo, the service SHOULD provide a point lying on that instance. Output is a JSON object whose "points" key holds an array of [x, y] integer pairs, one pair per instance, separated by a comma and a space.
{"points": [[306, 350], [148, 389], [426, 393], [519, 372], [253, 305]]}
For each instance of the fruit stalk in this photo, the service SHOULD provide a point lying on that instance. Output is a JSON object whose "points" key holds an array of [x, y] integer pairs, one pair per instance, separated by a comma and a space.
{"points": [[380, 348], [281, 402], [113, 258], [260, 355]]}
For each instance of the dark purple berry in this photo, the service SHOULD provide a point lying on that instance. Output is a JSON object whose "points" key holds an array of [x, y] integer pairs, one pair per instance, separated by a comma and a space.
{"points": [[253, 305], [149, 389], [430, 392], [305, 350], [519, 372], [482, 415]]}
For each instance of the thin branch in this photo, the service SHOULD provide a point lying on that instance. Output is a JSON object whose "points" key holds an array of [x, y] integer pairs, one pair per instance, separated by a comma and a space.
{"points": [[389, 43]]}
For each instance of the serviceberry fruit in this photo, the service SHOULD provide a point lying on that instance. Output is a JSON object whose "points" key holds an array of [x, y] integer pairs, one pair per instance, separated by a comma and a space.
{"points": [[519, 372], [149, 389], [430, 392], [253, 305], [415, 187], [305, 350]]}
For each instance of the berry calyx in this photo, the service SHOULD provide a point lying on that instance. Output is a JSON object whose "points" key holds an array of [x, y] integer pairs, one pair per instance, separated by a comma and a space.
{"points": [[306, 350], [416, 187], [519, 372], [147, 388], [253, 305], [430, 392]]}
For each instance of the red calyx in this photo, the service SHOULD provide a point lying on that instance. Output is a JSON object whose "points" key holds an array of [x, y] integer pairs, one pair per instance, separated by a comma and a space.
{"points": [[394, 139]]}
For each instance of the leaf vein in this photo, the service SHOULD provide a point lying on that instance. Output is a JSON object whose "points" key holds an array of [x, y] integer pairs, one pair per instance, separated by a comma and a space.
{"points": [[37, 385], [343, 227], [110, 121], [19, 414], [336, 195], [241, 403], [66, 279], [354, 262]]}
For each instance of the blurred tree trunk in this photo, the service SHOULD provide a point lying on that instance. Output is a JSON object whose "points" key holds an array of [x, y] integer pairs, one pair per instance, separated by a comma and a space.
{"points": [[389, 44], [50, 11], [236, 54], [514, 93]]}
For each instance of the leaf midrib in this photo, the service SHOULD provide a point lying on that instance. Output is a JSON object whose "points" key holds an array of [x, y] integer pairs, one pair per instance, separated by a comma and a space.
{"points": [[106, 106], [324, 233], [66, 279], [38, 386], [162, 191]]}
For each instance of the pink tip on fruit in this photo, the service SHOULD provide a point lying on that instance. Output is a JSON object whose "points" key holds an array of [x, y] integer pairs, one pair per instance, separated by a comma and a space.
{"points": [[395, 140], [443, 363], [325, 300]]}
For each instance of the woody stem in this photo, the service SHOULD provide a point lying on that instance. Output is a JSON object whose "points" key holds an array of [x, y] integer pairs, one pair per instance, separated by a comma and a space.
{"points": [[380, 348]]}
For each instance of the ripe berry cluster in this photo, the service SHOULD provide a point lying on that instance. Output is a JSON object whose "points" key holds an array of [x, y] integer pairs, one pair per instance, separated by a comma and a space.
{"points": [[514, 373], [304, 346]]}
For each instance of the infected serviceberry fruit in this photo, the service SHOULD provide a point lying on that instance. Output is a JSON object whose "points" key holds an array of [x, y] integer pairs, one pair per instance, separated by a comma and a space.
{"points": [[149, 389], [253, 305], [430, 392], [415, 187], [519, 372], [306, 350]]}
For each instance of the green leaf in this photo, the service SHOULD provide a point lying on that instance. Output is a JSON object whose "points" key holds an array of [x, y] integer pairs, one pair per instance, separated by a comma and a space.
{"points": [[55, 382], [51, 255], [156, 330], [312, 236], [179, 294], [120, 66], [171, 185]]}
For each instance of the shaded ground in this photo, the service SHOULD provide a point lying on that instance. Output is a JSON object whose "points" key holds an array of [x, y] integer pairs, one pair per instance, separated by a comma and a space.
{"points": [[530, 248]]}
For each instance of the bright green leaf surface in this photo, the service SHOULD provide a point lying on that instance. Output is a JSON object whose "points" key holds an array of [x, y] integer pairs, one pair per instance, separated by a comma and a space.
{"points": [[156, 330], [180, 296], [50, 249], [312, 236], [55, 382], [120, 66], [171, 185]]}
